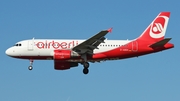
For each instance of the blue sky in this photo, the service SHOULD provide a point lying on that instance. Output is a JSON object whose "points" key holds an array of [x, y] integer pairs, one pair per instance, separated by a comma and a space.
{"points": [[153, 77]]}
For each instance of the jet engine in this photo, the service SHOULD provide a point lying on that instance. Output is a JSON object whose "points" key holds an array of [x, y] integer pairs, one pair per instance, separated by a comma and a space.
{"points": [[65, 54], [59, 65]]}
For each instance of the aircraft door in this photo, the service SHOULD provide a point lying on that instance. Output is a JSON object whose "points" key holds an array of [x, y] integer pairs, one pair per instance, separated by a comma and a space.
{"points": [[30, 45], [134, 46]]}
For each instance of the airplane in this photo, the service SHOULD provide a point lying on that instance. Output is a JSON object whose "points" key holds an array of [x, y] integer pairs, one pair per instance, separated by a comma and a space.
{"points": [[68, 53]]}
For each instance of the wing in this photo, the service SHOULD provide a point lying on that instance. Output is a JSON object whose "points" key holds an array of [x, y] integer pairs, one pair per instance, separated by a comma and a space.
{"points": [[90, 44]]}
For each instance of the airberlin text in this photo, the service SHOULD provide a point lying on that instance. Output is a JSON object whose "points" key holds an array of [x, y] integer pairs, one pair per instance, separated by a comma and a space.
{"points": [[56, 44]]}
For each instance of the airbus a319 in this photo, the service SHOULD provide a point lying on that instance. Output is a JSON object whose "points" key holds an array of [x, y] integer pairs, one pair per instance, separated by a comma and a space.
{"points": [[68, 53]]}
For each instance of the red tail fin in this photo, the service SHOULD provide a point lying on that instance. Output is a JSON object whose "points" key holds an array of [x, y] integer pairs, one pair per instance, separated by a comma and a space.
{"points": [[157, 29]]}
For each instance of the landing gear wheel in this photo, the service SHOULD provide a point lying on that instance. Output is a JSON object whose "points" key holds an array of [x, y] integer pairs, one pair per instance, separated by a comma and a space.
{"points": [[85, 71], [86, 65], [30, 67], [31, 63]]}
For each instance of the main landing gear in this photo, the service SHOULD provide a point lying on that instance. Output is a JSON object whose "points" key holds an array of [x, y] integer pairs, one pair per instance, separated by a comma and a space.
{"points": [[31, 63], [86, 66]]}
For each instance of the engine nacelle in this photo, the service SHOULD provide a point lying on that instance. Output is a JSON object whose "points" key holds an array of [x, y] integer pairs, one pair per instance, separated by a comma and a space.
{"points": [[65, 54], [64, 65]]}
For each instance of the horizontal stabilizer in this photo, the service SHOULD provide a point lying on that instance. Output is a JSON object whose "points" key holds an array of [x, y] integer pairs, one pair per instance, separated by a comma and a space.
{"points": [[160, 43]]}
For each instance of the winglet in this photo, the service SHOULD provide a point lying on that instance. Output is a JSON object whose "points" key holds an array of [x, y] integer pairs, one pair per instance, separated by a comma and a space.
{"points": [[109, 30]]}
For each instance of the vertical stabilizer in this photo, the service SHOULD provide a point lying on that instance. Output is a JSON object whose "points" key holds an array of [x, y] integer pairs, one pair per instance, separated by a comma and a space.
{"points": [[157, 29]]}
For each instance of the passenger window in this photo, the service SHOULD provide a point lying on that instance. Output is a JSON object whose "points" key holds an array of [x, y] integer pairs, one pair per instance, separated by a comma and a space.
{"points": [[19, 44]]}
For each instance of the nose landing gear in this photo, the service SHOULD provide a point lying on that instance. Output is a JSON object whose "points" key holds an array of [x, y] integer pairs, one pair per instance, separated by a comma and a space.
{"points": [[31, 63], [30, 67]]}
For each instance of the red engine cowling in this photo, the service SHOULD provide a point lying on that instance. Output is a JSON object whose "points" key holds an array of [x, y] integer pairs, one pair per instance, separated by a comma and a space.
{"points": [[64, 54], [64, 65]]}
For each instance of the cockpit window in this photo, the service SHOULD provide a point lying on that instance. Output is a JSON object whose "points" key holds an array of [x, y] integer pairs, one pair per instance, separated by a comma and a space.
{"points": [[19, 44]]}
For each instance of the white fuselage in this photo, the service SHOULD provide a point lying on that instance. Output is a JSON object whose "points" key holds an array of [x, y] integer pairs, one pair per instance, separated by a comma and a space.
{"points": [[46, 47]]}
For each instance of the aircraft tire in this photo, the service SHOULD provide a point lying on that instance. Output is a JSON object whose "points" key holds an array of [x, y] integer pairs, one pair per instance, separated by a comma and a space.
{"points": [[85, 71], [30, 67], [86, 65]]}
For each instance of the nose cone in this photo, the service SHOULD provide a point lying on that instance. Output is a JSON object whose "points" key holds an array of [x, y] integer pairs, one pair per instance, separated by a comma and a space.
{"points": [[9, 52]]}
